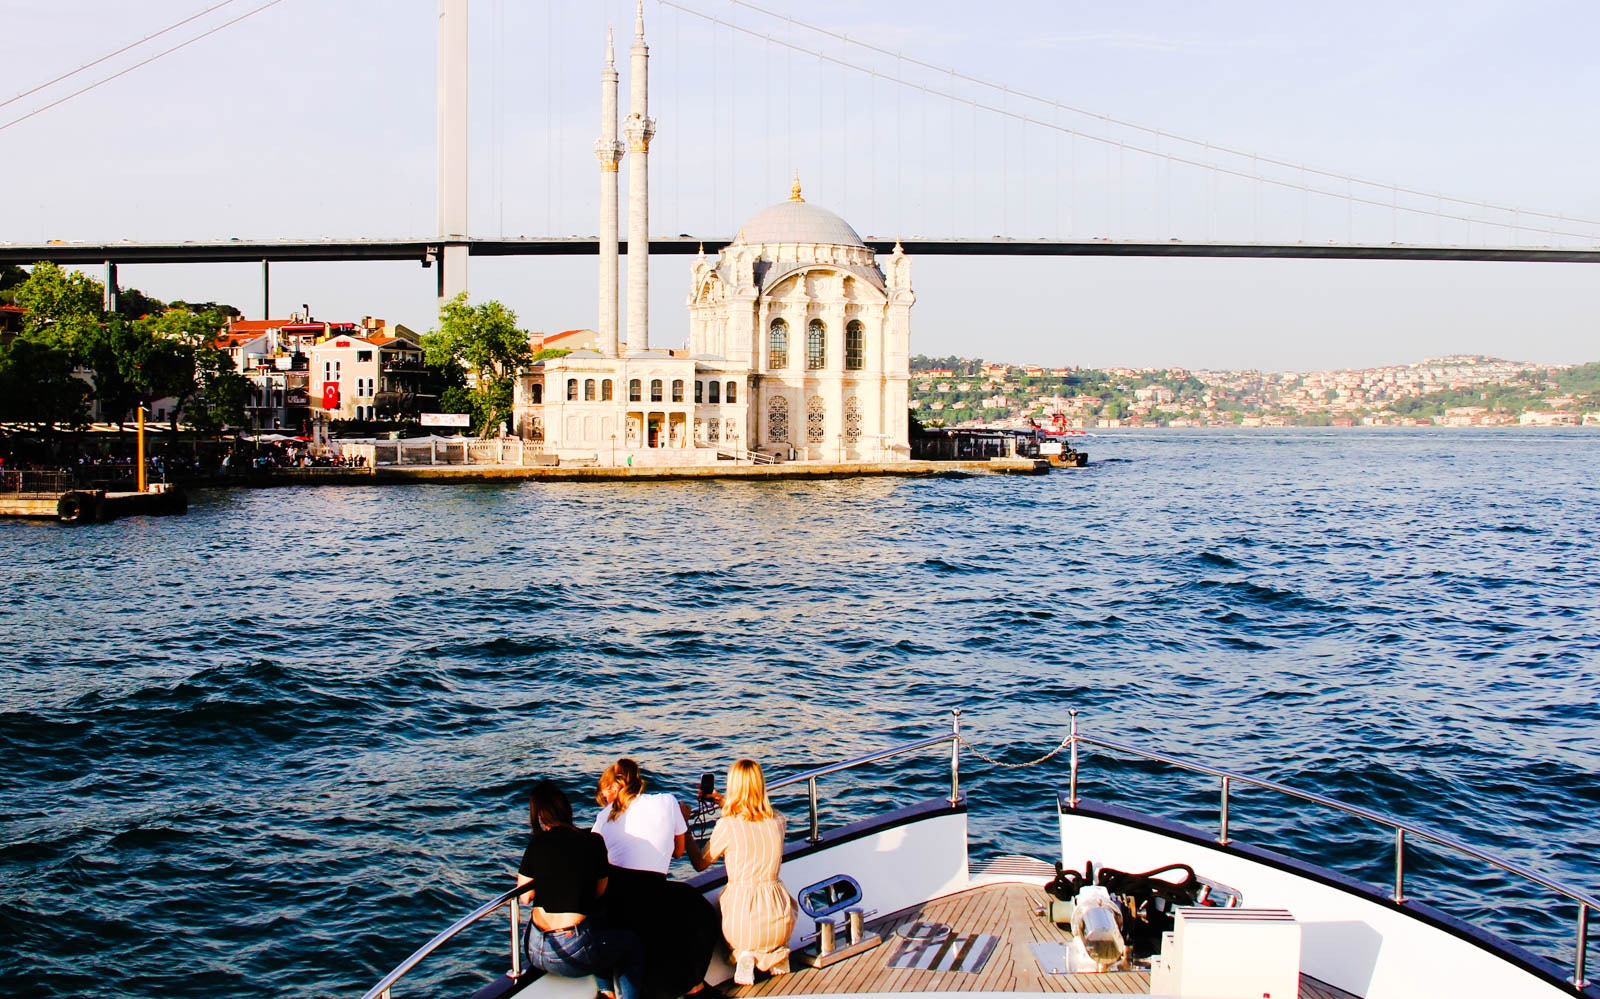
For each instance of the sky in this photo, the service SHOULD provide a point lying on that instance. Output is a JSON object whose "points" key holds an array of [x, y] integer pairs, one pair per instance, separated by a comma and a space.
{"points": [[1029, 119]]}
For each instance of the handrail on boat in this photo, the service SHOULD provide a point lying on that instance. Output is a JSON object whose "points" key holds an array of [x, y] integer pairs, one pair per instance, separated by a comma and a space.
{"points": [[1402, 829], [1076, 738], [381, 990], [807, 777]]}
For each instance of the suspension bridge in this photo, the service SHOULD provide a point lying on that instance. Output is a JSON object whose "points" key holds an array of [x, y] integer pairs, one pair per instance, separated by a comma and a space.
{"points": [[914, 151]]}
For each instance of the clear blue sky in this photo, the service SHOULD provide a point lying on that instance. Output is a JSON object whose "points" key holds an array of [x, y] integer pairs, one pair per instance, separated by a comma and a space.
{"points": [[314, 119]]}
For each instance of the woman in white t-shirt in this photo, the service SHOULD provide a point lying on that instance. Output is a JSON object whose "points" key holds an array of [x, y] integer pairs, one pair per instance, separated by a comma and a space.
{"points": [[644, 833]]}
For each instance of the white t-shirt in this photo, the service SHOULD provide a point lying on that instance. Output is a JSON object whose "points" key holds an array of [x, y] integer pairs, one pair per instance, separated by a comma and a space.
{"points": [[641, 838]]}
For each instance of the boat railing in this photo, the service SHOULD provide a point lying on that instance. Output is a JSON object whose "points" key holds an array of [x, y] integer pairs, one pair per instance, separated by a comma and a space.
{"points": [[510, 898], [1401, 830]]}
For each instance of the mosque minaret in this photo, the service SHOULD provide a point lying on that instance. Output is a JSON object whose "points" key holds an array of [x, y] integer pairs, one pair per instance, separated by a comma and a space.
{"points": [[609, 152], [798, 344], [640, 129]]}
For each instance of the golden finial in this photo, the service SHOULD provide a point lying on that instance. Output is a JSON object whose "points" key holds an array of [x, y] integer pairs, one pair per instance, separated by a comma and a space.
{"points": [[794, 189]]}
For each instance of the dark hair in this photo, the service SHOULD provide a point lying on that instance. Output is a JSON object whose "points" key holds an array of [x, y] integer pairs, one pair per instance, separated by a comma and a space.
{"points": [[548, 806]]}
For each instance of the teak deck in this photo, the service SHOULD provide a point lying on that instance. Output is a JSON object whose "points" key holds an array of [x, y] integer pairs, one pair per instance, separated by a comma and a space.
{"points": [[1006, 910]]}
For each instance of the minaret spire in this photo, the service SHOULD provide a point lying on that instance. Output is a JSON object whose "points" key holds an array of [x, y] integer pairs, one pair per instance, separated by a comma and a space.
{"points": [[609, 151], [640, 129]]}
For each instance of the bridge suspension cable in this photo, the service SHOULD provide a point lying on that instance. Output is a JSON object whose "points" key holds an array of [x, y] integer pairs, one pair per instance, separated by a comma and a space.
{"points": [[145, 62], [1385, 196], [112, 55]]}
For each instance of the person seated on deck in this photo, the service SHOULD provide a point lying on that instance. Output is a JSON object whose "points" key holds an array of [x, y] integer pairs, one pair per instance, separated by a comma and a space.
{"points": [[758, 913], [566, 872], [644, 833]]}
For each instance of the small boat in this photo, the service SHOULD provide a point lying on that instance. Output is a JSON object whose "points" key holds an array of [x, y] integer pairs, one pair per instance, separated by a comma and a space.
{"points": [[895, 903]]}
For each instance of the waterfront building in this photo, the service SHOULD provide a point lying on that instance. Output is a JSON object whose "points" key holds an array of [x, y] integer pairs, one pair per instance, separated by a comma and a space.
{"points": [[798, 344], [365, 372]]}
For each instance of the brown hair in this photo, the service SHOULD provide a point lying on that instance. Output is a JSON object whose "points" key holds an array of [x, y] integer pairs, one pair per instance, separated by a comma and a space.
{"points": [[548, 807], [747, 793], [624, 776]]}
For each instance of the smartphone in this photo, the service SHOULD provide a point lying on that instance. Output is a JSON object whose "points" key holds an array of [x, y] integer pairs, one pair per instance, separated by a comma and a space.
{"points": [[708, 786]]}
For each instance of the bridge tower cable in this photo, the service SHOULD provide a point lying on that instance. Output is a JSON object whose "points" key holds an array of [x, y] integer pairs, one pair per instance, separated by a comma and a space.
{"points": [[1492, 217]]}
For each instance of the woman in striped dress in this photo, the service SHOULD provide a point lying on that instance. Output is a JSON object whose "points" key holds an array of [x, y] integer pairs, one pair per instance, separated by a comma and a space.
{"points": [[757, 911]]}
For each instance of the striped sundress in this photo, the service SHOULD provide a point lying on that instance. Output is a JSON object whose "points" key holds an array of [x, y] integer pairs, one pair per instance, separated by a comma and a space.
{"points": [[758, 913]]}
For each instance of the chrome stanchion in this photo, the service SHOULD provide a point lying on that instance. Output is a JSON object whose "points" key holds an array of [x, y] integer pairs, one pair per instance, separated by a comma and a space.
{"points": [[811, 793], [955, 757], [1223, 839], [1399, 865], [516, 942], [1072, 781], [1578, 966]]}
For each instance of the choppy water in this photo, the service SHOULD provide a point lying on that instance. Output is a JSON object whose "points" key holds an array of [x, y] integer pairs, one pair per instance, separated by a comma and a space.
{"points": [[271, 747]]}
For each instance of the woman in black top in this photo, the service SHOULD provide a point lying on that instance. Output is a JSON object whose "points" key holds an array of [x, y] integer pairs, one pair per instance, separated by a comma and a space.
{"points": [[565, 870]]}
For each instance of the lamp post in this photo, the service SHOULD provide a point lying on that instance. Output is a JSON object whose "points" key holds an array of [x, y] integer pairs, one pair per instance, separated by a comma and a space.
{"points": [[613, 450]]}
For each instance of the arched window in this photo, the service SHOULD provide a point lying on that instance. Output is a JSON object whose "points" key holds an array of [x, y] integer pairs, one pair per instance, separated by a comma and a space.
{"points": [[855, 345], [572, 390], [605, 390], [677, 390], [655, 390], [815, 417], [852, 420], [633, 390], [816, 345], [778, 419], [713, 392], [732, 395], [778, 345], [538, 393], [588, 390], [699, 391]]}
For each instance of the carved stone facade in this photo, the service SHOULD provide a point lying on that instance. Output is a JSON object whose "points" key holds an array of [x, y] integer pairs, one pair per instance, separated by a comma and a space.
{"points": [[801, 303]]}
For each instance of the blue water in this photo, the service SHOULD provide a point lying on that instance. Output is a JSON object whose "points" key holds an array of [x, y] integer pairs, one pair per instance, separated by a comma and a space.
{"points": [[270, 747]]}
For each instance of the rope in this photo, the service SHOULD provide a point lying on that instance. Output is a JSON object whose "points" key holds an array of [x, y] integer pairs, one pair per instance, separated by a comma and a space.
{"points": [[985, 757]]}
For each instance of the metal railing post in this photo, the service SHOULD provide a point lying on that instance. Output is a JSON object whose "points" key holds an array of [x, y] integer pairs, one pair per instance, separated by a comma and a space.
{"points": [[811, 793], [1072, 780], [516, 948], [1580, 965], [955, 757], [1223, 839], [1399, 865]]}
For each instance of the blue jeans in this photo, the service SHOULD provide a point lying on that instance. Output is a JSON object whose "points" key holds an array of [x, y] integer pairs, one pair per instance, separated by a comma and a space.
{"points": [[616, 957]]}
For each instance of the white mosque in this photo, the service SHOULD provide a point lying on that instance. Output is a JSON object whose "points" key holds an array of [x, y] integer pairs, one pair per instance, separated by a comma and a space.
{"points": [[799, 341]]}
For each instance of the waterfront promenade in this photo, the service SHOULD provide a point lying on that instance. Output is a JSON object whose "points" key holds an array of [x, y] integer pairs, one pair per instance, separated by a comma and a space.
{"points": [[412, 475]]}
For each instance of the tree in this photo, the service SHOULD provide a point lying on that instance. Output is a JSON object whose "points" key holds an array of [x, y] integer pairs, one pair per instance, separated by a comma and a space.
{"points": [[179, 359], [483, 339]]}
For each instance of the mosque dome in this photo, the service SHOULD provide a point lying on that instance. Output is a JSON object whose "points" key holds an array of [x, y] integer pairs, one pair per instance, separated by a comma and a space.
{"points": [[797, 221]]}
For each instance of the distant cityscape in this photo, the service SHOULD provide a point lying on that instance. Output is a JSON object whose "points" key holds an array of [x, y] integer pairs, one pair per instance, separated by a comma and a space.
{"points": [[1463, 390]]}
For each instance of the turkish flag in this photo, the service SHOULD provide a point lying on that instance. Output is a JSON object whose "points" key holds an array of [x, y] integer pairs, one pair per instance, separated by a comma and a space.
{"points": [[330, 395]]}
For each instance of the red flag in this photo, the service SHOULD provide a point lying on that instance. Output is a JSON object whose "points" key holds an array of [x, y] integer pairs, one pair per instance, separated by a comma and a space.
{"points": [[330, 395]]}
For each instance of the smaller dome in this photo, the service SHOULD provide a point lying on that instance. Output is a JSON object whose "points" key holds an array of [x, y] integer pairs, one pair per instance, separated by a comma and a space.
{"points": [[797, 221]]}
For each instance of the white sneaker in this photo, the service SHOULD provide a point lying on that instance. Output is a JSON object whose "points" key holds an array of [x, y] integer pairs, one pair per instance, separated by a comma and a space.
{"points": [[744, 973], [781, 968]]}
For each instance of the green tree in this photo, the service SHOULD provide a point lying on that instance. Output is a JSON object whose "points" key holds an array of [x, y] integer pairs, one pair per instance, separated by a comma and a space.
{"points": [[484, 340], [179, 359], [37, 385]]}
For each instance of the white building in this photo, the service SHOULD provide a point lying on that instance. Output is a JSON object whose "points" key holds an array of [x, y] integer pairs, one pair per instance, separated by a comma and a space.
{"points": [[799, 341]]}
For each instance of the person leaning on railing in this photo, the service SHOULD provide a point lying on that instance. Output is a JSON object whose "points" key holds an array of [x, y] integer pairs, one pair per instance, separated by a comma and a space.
{"points": [[566, 871]]}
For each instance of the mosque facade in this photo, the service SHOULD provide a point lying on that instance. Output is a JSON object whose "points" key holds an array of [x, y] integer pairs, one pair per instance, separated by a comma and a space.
{"points": [[799, 340]]}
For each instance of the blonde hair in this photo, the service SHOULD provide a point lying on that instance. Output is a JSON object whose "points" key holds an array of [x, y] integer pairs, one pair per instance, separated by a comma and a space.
{"points": [[747, 793], [624, 776]]}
